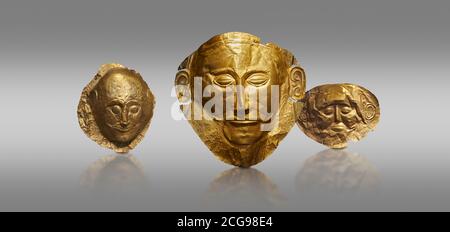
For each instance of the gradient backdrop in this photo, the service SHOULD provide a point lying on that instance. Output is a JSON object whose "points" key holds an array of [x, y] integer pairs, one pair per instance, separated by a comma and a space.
{"points": [[49, 50]]}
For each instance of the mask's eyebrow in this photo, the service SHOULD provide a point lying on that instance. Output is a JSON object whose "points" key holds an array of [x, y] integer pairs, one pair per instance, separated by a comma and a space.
{"points": [[255, 71], [220, 71], [136, 102], [115, 102], [346, 104], [338, 103]]}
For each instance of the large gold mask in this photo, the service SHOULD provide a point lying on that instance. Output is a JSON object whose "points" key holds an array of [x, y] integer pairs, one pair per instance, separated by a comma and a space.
{"points": [[336, 113], [236, 131], [116, 107]]}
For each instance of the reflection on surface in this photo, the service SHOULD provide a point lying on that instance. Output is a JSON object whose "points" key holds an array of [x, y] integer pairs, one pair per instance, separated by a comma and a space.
{"points": [[245, 188], [337, 171], [115, 173]]}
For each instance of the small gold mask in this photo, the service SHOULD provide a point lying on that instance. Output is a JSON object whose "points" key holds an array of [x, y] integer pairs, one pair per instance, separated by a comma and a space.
{"points": [[223, 65], [116, 107], [336, 113]]}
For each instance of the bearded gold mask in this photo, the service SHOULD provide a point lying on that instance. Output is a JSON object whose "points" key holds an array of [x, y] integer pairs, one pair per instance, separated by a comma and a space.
{"points": [[237, 93], [336, 113], [116, 107]]}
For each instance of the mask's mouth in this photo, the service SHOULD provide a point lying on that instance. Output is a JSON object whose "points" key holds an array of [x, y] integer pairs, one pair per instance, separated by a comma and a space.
{"points": [[239, 123], [340, 127], [242, 132], [244, 123], [121, 127]]}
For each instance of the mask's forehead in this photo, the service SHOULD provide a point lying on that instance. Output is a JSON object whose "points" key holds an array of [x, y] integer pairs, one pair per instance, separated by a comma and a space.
{"points": [[332, 94], [121, 86], [239, 57]]}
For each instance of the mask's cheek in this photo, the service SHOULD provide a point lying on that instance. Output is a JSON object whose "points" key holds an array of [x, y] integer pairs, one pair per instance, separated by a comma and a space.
{"points": [[266, 104], [324, 121], [130, 135], [351, 119], [109, 117]]}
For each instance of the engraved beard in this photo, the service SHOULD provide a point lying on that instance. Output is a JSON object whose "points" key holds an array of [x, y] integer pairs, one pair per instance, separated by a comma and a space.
{"points": [[337, 132]]}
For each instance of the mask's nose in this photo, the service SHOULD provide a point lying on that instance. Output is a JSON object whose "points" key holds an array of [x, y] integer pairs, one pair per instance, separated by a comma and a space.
{"points": [[337, 114], [124, 122], [241, 104]]}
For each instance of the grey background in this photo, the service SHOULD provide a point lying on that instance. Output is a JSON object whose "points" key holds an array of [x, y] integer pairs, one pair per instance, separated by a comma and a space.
{"points": [[49, 50]]}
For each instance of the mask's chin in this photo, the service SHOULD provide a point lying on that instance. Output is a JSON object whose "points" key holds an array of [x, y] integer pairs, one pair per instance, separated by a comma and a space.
{"points": [[121, 138], [242, 132]]}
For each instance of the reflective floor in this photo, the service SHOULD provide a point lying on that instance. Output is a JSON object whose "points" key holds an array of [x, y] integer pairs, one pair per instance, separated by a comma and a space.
{"points": [[330, 180]]}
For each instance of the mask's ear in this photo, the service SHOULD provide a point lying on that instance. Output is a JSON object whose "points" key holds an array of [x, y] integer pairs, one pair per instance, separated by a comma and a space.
{"points": [[182, 86], [369, 110], [93, 96], [297, 83]]}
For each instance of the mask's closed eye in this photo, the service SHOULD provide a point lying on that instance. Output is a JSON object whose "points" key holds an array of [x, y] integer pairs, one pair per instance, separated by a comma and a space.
{"points": [[134, 109], [329, 110], [115, 109], [257, 80], [346, 110], [223, 80]]}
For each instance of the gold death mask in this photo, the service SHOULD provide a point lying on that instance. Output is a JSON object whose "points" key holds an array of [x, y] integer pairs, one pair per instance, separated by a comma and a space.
{"points": [[333, 114], [237, 93], [116, 107]]}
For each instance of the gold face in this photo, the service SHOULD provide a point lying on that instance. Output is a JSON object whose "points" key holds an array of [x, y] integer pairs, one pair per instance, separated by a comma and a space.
{"points": [[244, 77], [120, 106], [260, 74], [336, 113]]}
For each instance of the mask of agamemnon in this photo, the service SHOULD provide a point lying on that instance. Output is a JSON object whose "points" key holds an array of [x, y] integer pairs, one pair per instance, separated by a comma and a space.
{"points": [[336, 113], [253, 87], [116, 107]]}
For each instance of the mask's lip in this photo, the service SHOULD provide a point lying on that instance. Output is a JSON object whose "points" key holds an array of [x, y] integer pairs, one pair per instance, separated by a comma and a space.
{"points": [[340, 128], [242, 122], [121, 129]]}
